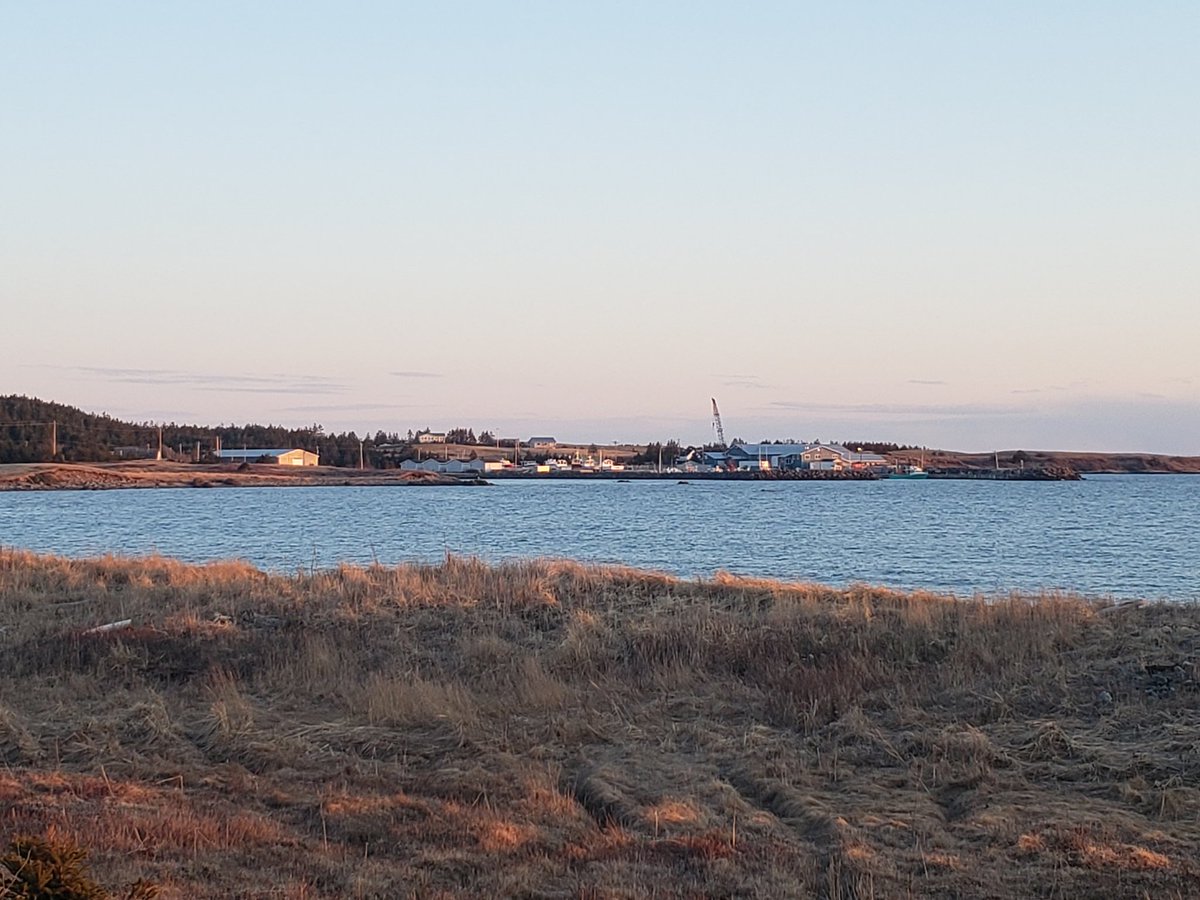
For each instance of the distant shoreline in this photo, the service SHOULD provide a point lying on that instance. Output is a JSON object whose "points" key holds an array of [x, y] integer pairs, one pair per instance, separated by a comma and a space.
{"points": [[148, 474], [119, 476]]}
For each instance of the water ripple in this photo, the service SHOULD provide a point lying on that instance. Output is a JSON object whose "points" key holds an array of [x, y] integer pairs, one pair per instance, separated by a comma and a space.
{"points": [[1125, 536]]}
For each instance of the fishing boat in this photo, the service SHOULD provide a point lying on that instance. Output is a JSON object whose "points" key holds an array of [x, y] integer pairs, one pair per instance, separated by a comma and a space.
{"points": [[911, 472]]}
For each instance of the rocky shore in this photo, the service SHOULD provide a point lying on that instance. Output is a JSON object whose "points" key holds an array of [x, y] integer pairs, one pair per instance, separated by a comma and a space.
{"points": [[68, 477]]}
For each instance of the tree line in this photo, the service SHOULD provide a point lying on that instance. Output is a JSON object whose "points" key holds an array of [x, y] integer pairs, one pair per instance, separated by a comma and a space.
{"points": [[27, 435]]}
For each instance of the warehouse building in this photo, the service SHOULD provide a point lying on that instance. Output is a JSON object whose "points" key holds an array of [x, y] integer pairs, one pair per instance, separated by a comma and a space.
{"points": [[294, 457]]}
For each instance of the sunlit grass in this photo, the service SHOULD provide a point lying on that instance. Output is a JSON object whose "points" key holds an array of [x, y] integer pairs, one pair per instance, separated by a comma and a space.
{"points": [[547, 727]]}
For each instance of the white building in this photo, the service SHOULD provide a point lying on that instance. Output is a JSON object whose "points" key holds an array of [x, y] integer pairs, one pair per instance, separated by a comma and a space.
{"points": [[284, 457], [489, 465]]}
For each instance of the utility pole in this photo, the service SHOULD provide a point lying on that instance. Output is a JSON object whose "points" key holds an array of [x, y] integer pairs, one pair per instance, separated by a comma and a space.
{"points": [[159, 456], [53, 439], [360, 454]]}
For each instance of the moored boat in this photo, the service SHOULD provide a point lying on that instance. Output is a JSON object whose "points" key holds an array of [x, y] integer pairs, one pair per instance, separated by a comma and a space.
{"points": [[911, 472]]}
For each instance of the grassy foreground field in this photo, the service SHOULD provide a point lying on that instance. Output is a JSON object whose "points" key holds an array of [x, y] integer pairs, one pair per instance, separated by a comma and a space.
{"points": [[552, 730]]}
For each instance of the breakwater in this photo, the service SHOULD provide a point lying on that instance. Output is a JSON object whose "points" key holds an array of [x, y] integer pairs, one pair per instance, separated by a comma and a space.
{"points": [[1042, 473], [1033, 473]]}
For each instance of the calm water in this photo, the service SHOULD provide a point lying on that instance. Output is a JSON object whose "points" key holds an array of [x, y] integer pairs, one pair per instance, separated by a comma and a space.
{"points": [[1127, 536]]}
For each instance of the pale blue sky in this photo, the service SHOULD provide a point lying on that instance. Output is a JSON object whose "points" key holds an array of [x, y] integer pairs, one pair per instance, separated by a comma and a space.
{"points": [[952, 224]]}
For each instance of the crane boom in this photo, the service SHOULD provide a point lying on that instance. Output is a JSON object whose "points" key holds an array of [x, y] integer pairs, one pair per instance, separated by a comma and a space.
{"points": [[717, 424]]}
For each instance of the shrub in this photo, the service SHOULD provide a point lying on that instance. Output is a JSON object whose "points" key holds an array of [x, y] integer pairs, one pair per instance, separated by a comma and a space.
{"points": [[38, 869]]}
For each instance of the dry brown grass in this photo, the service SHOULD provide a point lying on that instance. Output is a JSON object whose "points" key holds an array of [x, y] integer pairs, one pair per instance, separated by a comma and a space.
{"points": [[551, 729], [153, 474]]}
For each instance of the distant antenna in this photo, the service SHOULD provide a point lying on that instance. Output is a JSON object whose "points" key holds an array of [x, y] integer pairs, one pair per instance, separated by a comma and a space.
{"points": [[717, 424]]}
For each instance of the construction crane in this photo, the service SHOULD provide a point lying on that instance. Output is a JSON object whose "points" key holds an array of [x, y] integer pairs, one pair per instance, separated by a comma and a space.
{"points": [[717, 424]]}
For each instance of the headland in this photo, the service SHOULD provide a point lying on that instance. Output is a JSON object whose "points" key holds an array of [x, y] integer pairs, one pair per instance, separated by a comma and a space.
{"points": [[150, 474]]}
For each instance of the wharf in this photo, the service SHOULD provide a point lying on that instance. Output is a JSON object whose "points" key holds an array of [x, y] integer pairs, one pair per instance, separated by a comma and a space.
{"points": [[963, 473], [778, 475]]}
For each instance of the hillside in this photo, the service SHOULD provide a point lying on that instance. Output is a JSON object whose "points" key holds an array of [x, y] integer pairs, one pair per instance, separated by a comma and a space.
{"points": [[1083, 463], [88, 437], [549, 729], [25, 437]]}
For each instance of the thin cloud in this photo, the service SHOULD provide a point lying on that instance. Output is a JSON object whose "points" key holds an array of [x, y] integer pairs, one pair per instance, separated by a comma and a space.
{"points": [[303, 389], [927, 381], [277, 383], [354, 407], [745, 383], [897, 409], [743, 380], [136, 416], [1050, 387], [416, 374]]}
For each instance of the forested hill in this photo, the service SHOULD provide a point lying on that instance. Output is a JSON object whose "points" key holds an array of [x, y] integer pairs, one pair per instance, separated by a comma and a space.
{"points": [[26, 433]]}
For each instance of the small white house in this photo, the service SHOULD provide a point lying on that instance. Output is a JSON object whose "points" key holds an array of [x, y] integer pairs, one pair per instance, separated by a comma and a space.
{"points": [[541, 443], [432, 437]]}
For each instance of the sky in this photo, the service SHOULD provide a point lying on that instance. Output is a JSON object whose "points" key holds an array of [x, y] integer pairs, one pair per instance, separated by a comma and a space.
{"points": [[963, 225]]}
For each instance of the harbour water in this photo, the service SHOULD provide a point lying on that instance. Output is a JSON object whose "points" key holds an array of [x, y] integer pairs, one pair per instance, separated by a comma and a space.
{"points": [[1121, 536]]}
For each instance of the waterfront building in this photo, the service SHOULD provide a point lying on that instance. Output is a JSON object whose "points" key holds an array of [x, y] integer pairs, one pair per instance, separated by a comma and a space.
{"points": [[765, 457], [783, 457], [283, 457]]}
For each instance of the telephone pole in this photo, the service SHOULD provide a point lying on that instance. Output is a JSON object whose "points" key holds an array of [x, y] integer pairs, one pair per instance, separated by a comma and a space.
{"points": [[53, 439]]}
